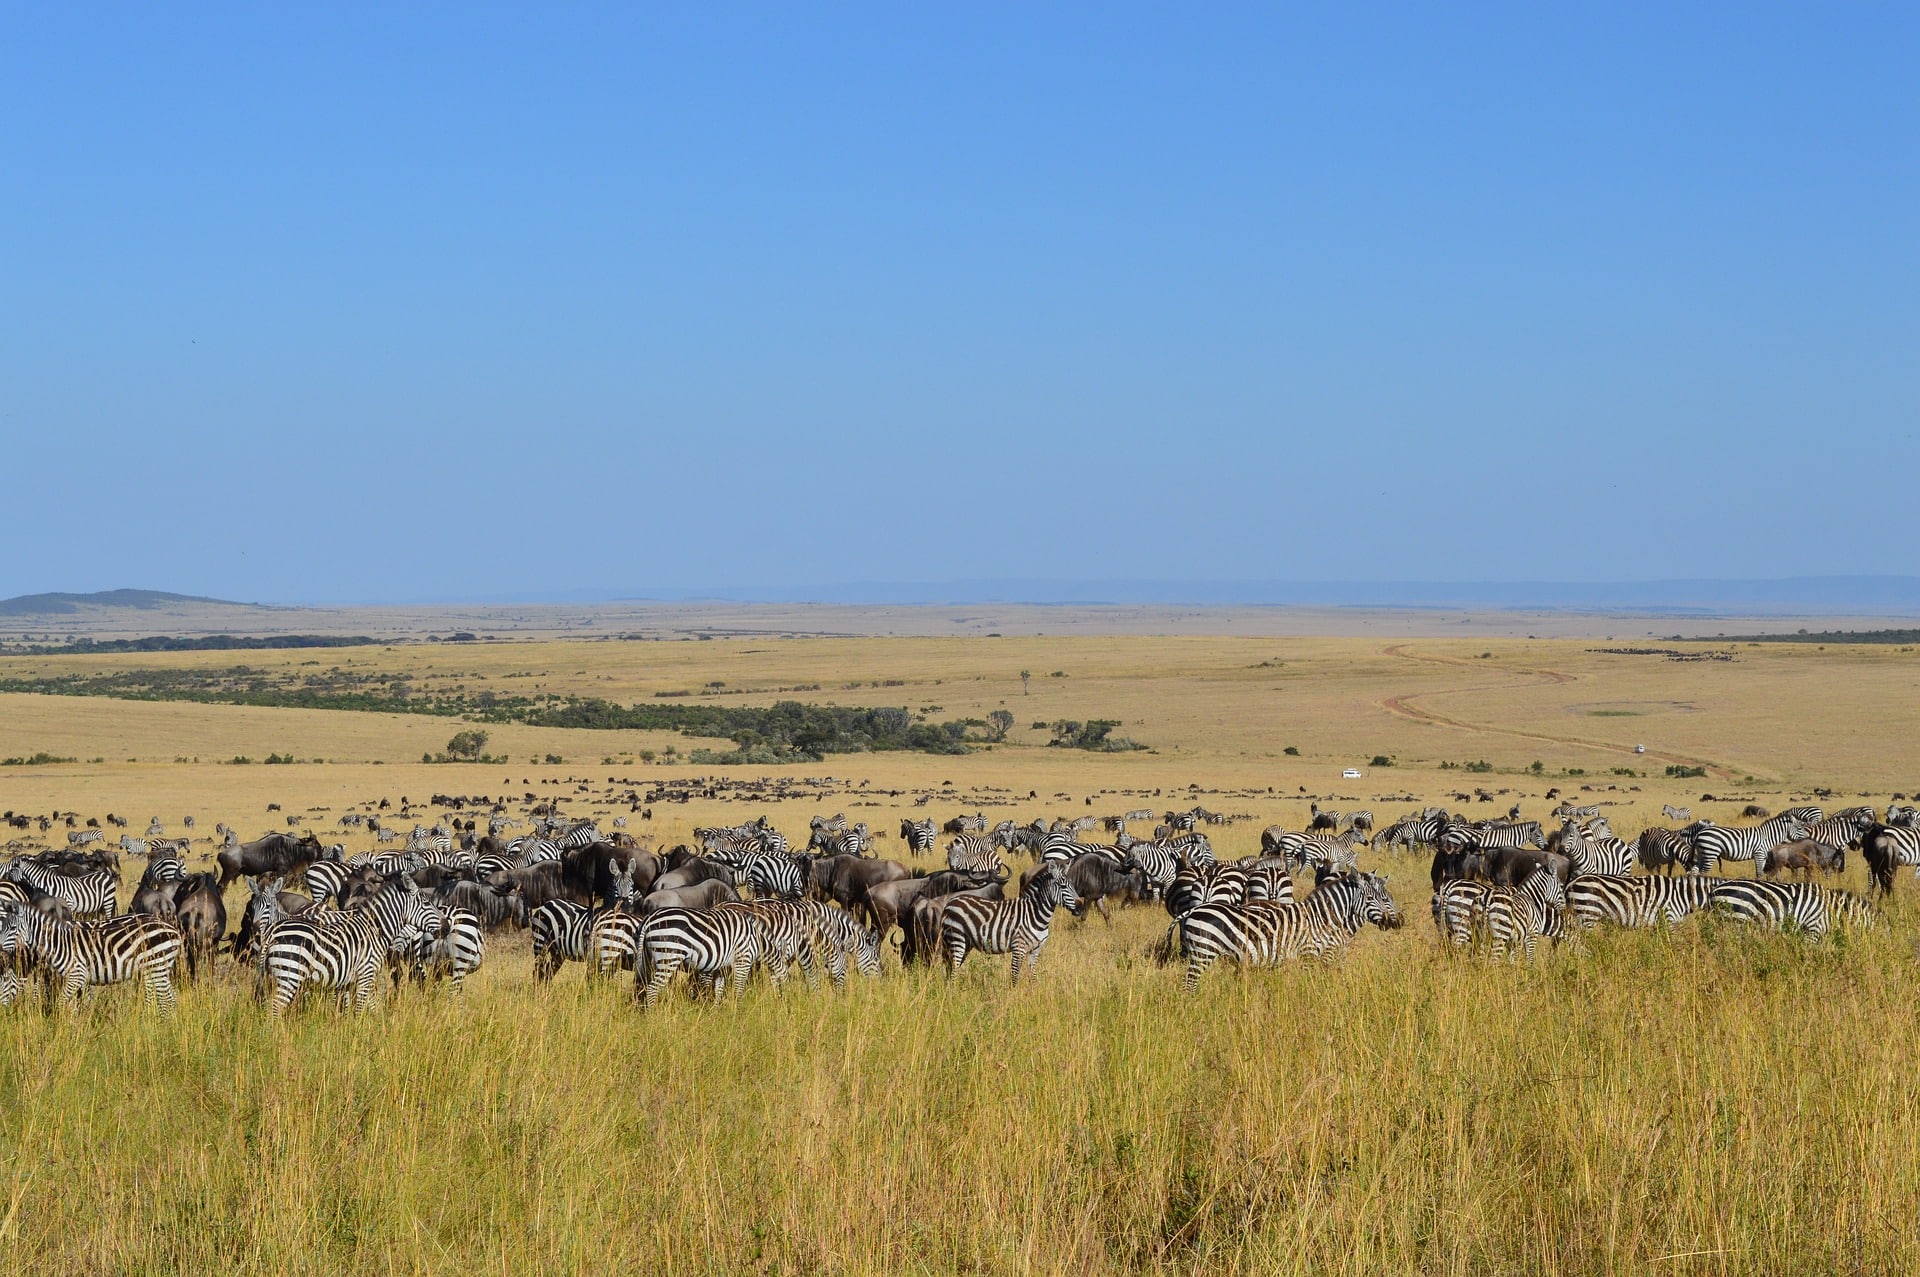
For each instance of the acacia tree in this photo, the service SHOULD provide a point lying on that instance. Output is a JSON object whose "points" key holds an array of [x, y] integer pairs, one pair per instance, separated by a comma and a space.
{"points": [[1002, 720], [467, 745], [1024, 676]]}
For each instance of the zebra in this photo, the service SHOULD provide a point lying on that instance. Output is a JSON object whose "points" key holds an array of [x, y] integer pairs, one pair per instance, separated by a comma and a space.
{"points": [[1335, 854], [972, 854], [1843, 829], [1459, 908], [1525, 912], [837, 935], [1596, 853], [1567, 811], [919, 836], [344, 950], [1681, 814], [709, 943], [584, 834], [1157, 862], [160, 871], [1637, 902], [1267, 934], [1192, 847], [771, 874], [1902, 816], [1361, 820], [1714, 843], [613, 941], [451, 944], [1785, 905], [1411, 832], [1664, 848], [1886, 848], [81, 837], [563, 929], [1018, 927], [85, 894], [326, 882], [76, 955]]}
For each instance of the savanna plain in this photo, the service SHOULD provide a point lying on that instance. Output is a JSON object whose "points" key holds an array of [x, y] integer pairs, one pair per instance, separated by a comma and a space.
{"points": [[1704, 1099]]}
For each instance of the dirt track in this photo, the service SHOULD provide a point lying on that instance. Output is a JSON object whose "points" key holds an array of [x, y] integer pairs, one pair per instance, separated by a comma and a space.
{"points": [[1404, 707]]}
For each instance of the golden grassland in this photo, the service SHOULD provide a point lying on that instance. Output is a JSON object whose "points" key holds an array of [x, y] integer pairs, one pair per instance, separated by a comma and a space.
{"points": [[1706, 1101]]}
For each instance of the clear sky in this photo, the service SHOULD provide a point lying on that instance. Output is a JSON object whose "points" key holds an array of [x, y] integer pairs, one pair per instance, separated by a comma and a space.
{"points": [[460, 302]]}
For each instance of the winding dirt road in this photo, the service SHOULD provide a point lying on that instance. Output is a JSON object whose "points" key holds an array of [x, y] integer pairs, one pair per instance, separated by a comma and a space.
{"points": [[1404, 707]]}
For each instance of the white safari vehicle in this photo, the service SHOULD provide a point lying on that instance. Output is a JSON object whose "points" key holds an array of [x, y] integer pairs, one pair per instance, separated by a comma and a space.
{"points": [[1352, 773]]}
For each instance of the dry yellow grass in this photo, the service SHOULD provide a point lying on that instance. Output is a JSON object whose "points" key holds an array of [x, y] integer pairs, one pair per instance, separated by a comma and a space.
{"points": [[1703, 1102]]}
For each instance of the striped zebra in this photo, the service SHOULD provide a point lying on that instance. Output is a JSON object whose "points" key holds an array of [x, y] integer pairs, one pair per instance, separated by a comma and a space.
{"points": [[1596, 852], [562, 930], [1334, 854], [613, 942], [771, 874], [919, 836], [1681, 814], [709, 944], [344, 950], [1567, 811], [160, 871], [326, 882], [1411, 832], [1886, 848], [1192, 847], [85, 894], [81, 837], [1460, 910], [837, 936], [1157, 862], [1843, 829], [451, 945], [1521, 914], [1791, 905], [78, 955], [1019, 926], [1264, 935], [1662, 849], [1715, 843], [1638, 903], [972, 854], [1902, 816]]}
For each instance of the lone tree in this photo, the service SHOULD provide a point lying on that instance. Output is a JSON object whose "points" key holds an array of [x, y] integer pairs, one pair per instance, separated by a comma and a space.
{"points": [[466, 745], [1002, 721], [1024, 676]]}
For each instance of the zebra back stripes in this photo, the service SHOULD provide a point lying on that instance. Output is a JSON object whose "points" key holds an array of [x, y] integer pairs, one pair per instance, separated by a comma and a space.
{"points": [[710, 944], [1268, 934], [1637, 902], [1715, 843], [1791, 905], [85, 894]]}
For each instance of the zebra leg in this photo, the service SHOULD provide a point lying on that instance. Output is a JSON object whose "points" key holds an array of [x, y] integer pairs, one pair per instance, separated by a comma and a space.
{"points": [[160, 985], [659, 972], [363, 987], [956, 955], [285, 990], [1019, 960], [74, 983], [743, 967]]}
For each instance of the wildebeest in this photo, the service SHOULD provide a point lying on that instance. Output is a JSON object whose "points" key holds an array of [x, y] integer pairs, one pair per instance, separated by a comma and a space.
{"points": [[1094, 878], [697, 869], [201, 915], [275, 854], [846, 880], [700, 895], [493, 909], [1802, 856], [921, 925]]}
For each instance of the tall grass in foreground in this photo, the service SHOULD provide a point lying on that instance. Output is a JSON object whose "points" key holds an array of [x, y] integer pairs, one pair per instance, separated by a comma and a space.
{"points": [[1710, 1101]]}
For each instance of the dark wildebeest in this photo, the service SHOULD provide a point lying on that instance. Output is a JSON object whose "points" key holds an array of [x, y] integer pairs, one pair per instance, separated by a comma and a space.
{"points": [[1802, 856], [1094, 878], [201, 915], [694, 871], [155, 900], [493, 909], [1511, 866], [890, 903], [700, 895], [846, 880], [590, 870], [1449, 866], [536, 885], [275, 854]]}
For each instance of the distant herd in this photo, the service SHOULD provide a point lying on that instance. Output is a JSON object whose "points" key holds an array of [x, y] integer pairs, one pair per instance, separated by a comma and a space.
{"points": [[740, 898]]}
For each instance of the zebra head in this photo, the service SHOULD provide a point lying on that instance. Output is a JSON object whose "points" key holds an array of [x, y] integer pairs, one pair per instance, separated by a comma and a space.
{"points": [[1377, 905], [1051, 890], [866, 951]]}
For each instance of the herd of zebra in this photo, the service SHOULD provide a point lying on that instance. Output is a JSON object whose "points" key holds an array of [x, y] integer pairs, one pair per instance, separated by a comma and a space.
{"points": [[740, 898]]}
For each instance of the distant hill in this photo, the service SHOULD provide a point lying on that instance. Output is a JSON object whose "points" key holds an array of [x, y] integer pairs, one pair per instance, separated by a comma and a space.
{"points": [[68, 604]]}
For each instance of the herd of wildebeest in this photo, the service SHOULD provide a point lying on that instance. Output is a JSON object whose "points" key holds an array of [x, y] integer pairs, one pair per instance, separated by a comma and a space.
{"points": [[739, 898]]}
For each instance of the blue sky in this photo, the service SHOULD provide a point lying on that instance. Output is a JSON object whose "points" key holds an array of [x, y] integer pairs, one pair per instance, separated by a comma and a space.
{"points": [[356, 304]]}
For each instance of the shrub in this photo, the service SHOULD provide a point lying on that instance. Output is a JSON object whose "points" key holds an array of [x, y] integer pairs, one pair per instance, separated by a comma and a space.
{"points": [[1291, 751], [1680, 771], [467, 744], [1480, 765], [1380, 760]]}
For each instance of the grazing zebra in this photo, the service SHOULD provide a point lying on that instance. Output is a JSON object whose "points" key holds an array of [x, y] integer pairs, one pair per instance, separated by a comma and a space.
{"points": [[1664, 848], [1361, 820], [1567, 811], [613, 941], [327, 881], [1886, 848], [919, 836], [1157, 862], [1192, 847], [837, 935], [1525, 912], [972, 854], [709, 943], [1715, 843], [85, 894], [560, 929], [451, 945], [81, 837], [1784, 905], [1681, 814], [1596, 853], [1019, 926], [1411, 832], [1268, 934], [344, 950], [76, 955], [1638, 902], [1902, 816], [1335, 854]]}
